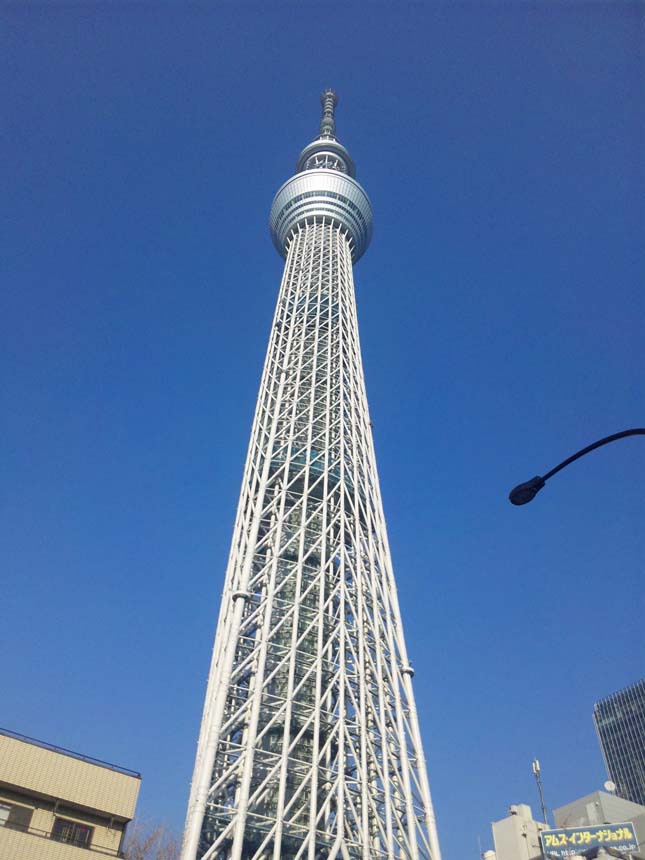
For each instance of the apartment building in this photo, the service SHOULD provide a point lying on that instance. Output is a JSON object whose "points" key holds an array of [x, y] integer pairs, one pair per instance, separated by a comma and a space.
{"points": [[58, 805]]}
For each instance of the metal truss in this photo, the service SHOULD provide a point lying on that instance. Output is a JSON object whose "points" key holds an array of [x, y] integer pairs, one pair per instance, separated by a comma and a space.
{"points": [[309, 745]]}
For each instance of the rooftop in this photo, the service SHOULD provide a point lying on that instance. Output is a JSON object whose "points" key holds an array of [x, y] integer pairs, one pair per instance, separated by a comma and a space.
{"points": [[88, 759]]}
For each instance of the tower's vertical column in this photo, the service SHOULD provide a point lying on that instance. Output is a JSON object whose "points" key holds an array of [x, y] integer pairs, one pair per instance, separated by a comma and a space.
{"points": [[309, 745]]}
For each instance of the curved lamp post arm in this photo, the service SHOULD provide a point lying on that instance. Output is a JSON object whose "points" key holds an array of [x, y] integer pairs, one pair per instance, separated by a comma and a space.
{"points": [[524, 493]]}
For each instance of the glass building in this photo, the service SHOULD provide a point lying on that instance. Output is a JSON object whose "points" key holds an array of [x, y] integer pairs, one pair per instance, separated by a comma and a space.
{"points": [[309, 746], [620, 722]]}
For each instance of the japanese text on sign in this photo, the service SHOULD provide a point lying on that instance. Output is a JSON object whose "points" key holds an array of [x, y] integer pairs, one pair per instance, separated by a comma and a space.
{"points": [[569, 841]]}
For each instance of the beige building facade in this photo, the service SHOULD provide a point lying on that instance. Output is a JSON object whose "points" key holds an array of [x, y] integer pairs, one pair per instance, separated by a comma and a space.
{"points": [[58, 805], [517, 837]]}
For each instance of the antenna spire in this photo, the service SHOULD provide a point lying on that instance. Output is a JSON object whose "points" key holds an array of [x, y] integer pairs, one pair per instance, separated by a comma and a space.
{"points": [[328, 100], [325, 152]]}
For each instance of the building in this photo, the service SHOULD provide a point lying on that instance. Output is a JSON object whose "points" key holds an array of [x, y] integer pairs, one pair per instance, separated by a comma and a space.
{"points": [[309, 744], [58, 805], [620, 723], [517, 837], [600, 807]]}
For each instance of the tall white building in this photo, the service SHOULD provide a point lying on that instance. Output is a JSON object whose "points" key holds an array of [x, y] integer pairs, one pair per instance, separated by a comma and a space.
{"points": [[309, 745]]}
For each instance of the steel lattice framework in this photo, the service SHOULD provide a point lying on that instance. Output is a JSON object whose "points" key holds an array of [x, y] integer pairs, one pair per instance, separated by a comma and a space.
{"points": [[309, 744]]}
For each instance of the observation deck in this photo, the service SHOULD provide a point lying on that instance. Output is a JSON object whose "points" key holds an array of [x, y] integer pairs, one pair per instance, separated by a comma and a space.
{"points": [[323, 187]]}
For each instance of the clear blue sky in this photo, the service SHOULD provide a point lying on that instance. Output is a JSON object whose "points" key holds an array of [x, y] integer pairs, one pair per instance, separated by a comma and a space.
{"points": [[501, 312]]}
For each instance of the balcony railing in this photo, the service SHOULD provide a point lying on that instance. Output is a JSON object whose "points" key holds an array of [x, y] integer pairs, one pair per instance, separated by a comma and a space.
{"points": [[47, 834]]}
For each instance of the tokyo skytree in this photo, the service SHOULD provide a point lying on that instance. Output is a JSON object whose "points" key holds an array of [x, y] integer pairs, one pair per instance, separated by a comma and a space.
{"points": [[309, 746]]}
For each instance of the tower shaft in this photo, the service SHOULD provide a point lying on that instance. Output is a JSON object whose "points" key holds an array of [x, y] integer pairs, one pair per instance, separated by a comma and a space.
{"points": [[309, 745]]}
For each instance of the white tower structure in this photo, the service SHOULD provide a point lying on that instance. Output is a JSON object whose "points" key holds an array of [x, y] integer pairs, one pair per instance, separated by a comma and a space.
{"points": [[309, 746]]}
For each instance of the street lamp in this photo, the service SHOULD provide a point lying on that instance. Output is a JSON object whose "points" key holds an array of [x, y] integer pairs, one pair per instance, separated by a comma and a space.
{"points": [[526, 492]]}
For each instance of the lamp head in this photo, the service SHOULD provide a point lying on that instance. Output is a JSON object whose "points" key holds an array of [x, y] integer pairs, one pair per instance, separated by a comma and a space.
{"points": [[526, 492]]}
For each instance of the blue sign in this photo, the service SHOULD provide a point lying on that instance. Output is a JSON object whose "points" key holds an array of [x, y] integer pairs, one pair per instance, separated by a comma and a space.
{"points": [[574, 840]]}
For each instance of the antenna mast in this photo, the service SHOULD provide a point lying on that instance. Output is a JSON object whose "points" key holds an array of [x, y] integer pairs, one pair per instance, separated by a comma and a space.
{"points": [[538, 779]]}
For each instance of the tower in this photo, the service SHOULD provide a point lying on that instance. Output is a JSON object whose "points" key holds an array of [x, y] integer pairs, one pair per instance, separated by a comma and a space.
{"points": [[620, 723], [309, 744]]}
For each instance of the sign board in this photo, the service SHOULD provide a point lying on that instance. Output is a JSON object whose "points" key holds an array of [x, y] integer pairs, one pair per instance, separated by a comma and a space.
{"points": [[574, 840]]}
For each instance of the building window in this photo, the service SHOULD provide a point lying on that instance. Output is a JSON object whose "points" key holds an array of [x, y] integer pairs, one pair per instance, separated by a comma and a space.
{"points": [[15, 817], [72, 832]]}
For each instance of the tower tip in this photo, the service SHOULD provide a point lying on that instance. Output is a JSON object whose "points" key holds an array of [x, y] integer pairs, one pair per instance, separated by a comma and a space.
{"points": [[328, 100], [328, 94]]}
